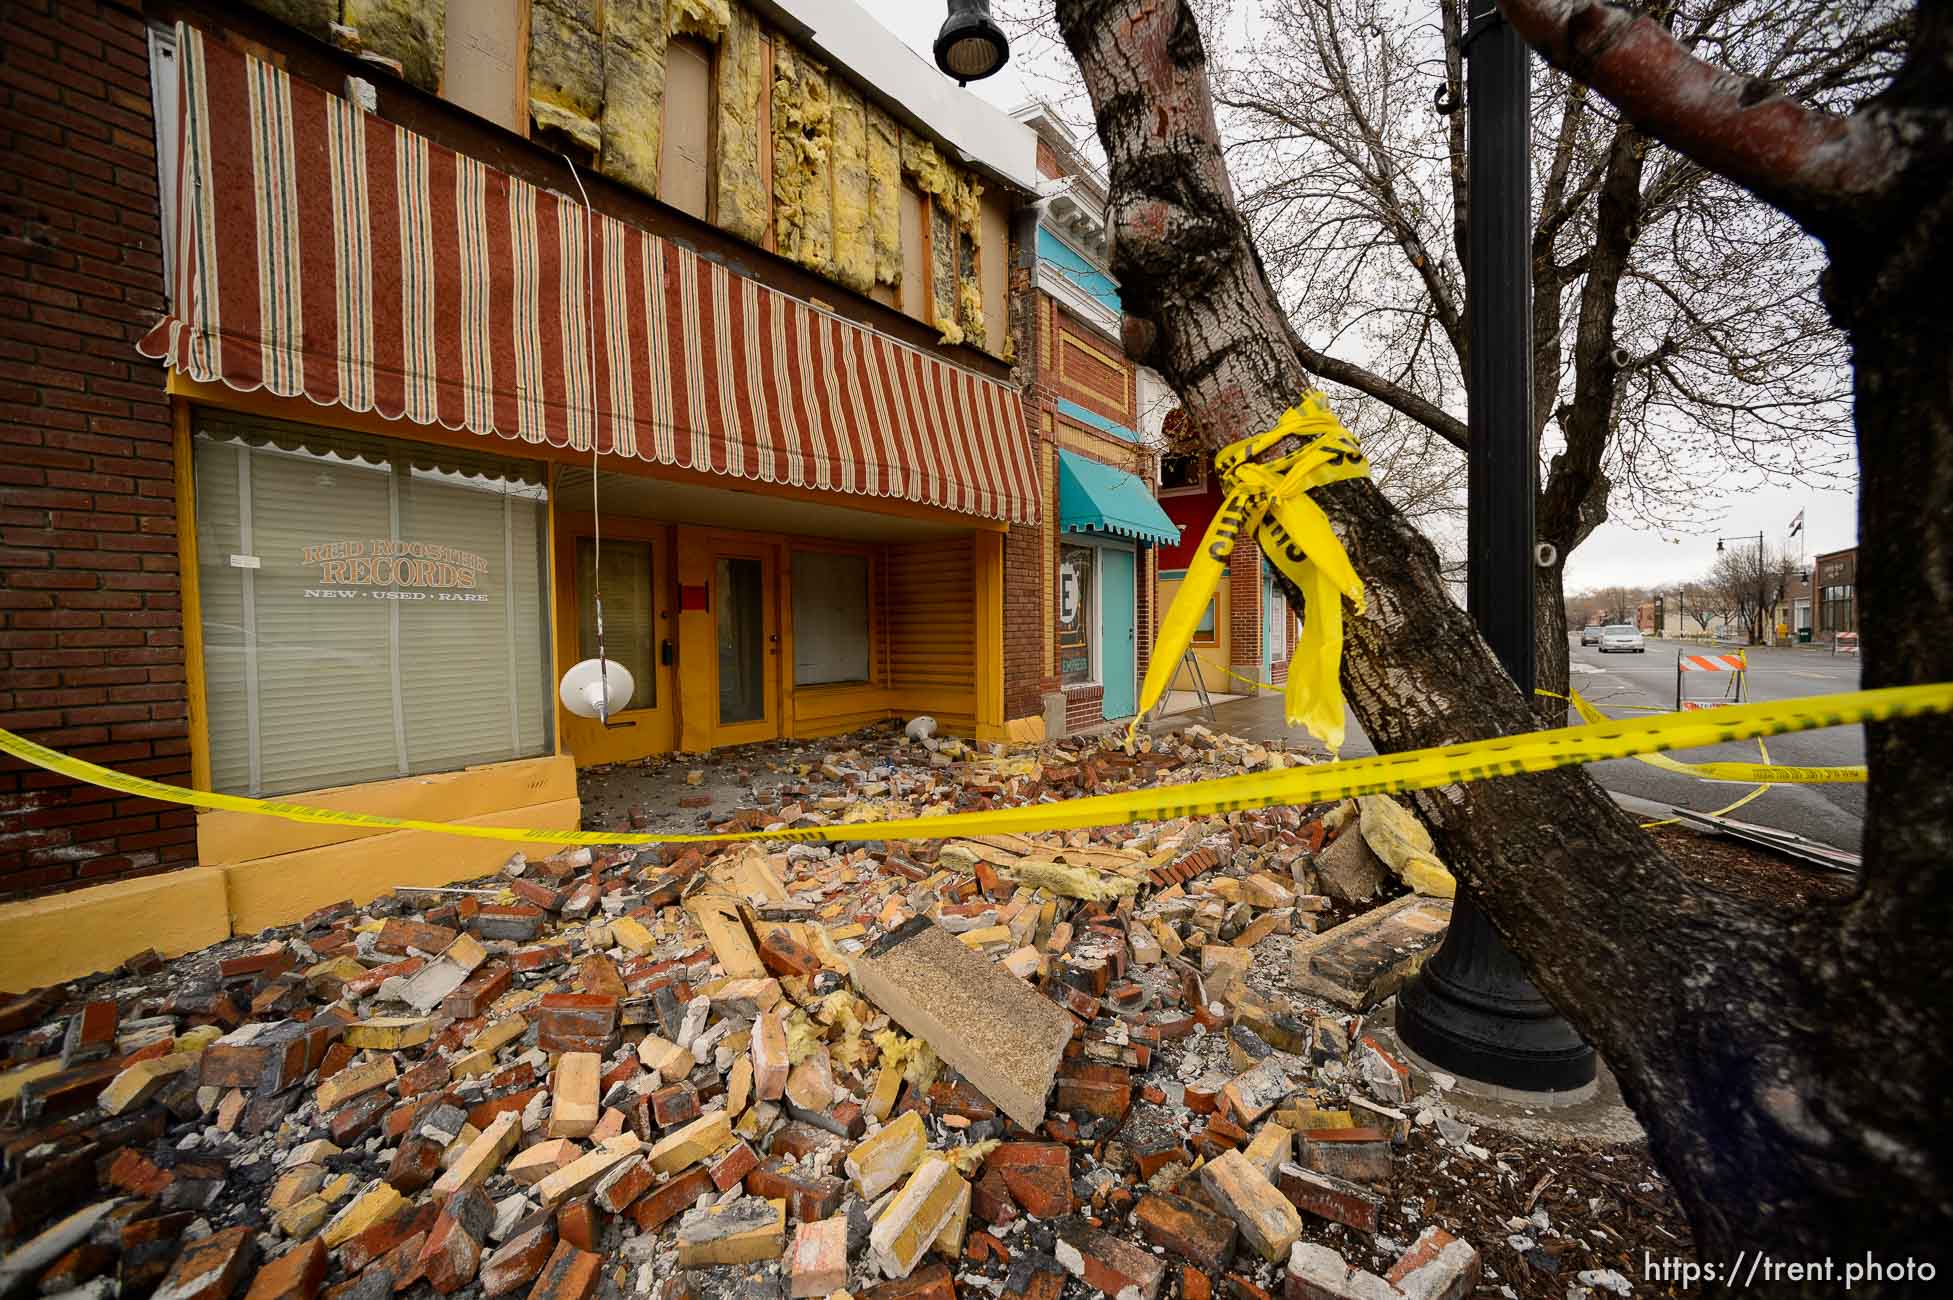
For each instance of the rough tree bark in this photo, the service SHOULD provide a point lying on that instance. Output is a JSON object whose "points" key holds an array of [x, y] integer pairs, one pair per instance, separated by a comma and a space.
{"points": [[1876, 188], [1788, 1081]]}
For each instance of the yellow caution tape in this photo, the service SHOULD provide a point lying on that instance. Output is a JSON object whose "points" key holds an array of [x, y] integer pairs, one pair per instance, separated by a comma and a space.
{"points": [[1423, 769], [1766, 772], [1270, 502], [1248, 681], [1592, 714]]}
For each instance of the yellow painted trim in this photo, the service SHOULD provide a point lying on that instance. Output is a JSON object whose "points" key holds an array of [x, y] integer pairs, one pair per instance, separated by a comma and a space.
{"points": [[225, 838], [718, 545], [638, 733], [184, 468], [987, 555], [556, 664], [305, 411], [1085, 345], [1099, 446], [279, 890], [61, 936], [1047, 612]]}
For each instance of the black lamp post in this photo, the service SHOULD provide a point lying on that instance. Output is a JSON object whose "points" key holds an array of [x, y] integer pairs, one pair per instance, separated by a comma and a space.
{"points": [[970, 45], [1471, 1010]]}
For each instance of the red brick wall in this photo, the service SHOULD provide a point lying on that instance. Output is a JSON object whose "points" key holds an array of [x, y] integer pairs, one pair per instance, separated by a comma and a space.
{"points": [[1084, 707], [1023, 620], [1244, 603], [91, 637]]}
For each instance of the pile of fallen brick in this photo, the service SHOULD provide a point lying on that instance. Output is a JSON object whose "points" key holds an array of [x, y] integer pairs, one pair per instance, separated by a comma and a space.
{"points": [[998, 1066]]}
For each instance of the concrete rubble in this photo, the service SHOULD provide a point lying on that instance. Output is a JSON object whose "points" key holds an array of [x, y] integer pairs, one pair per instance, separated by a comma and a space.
{"points": [[1002, 1067]]}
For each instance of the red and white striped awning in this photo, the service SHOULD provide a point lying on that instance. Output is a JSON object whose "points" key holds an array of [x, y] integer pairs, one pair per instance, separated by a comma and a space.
{"points": [[326, 252]]}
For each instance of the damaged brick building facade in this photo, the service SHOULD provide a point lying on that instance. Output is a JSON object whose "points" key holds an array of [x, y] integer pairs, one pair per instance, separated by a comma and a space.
{"points": [[442, 289], [1089, 408]]}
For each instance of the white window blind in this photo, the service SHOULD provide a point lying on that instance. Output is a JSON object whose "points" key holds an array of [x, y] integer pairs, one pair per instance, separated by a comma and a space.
{"points": [[830, 618], [370, 608], [629, 620]]}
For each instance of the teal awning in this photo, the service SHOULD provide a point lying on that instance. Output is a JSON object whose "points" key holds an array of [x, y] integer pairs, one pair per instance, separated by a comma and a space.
{"points": [[1097, 498]]}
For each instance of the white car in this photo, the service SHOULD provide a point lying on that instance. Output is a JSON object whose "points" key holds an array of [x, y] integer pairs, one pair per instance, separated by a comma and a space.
{"points": [[1623, 637]]}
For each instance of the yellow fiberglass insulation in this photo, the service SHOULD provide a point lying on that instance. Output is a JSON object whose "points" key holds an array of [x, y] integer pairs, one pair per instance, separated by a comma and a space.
{"points": [[802, 130], [743, 204], [554, 117], [706, 18], [942, 272], [566, 66], [921, 161], [634, 92], [916, 1060], [969, 301], [968, 191], [885, 195], [410, 31], [854, 242]]}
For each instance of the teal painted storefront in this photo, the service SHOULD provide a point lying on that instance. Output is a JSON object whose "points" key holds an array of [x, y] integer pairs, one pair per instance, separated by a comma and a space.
{"points": [[1118, 657]]}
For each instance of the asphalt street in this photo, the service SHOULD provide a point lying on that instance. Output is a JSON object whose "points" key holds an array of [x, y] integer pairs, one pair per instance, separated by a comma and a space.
{"points": [[1832, 814]]}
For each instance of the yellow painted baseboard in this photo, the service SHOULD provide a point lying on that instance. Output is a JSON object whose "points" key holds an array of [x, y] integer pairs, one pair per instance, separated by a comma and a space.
{"points": [[43, 940], [229, 837], [280, 889]]}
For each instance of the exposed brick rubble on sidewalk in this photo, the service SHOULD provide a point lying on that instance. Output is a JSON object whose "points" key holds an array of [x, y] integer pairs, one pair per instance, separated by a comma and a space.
{"points": [[1008, 1067]]}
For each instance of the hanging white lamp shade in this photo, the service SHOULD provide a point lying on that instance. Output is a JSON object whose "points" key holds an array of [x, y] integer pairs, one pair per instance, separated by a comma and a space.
{"points": [[596, 688]]}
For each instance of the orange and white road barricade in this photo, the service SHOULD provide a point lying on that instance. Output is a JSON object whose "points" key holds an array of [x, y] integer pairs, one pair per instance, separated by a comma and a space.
{"points": [[1736, 663]]}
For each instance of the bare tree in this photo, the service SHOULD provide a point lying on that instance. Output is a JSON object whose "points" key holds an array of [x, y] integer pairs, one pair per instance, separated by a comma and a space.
{"points": [[1603, 605], [1677, 332], [1748, 579], [1792, 1087]]}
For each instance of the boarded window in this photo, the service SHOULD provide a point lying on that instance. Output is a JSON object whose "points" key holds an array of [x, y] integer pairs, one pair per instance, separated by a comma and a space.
{"points": [[915, 254], [484, 38], [995, 266], [685, 164], [830, 618]]}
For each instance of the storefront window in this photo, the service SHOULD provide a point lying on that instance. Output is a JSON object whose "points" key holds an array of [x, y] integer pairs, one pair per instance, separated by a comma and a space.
{"points": [[1204, 629], [1075, 575], [741, 592], [1182, 474], [370, 608], [629, 616], [830, 618]]}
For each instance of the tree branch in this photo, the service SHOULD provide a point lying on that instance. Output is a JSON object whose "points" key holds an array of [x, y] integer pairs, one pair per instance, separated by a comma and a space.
{"points": [[1427, 413], [1807, 163]]}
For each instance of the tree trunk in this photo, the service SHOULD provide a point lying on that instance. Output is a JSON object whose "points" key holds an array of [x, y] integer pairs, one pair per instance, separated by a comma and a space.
{"points": [[1727, 1025], [1552, 669]]}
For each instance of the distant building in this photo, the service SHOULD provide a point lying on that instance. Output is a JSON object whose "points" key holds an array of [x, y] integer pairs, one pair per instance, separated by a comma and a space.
{"points": [[1087, 404], [1835, 576]]}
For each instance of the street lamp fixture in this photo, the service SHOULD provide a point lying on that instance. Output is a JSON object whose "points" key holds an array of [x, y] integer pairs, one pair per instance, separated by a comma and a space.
{"points": [[970, 45]]}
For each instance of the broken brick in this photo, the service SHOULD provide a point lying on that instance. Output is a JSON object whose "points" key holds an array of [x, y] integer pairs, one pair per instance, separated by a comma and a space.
{"points": [[1111, 1264], [1188, 1229]]}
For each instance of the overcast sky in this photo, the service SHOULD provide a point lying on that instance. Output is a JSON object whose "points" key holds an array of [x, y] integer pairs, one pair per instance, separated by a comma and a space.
{"points": [[1625, 551]]}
